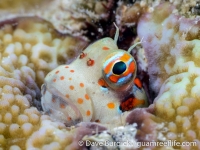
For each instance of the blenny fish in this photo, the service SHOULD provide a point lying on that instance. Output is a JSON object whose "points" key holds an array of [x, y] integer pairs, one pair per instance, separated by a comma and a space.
{"points": [[98, 86]]}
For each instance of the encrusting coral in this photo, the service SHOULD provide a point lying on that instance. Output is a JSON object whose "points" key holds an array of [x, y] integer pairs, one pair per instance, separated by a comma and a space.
{"points": [[179, 37], [172, 46], [30, 48]]}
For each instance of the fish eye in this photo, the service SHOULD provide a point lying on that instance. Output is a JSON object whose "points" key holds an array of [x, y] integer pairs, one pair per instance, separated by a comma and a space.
{"points": [[119, 70]]}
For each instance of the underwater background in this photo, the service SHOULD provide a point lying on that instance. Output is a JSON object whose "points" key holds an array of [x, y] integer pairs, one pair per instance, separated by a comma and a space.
{"points": [[37, 36]]}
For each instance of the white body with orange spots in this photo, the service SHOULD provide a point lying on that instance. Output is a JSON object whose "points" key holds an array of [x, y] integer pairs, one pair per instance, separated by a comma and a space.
{"points": [[71, 93]]}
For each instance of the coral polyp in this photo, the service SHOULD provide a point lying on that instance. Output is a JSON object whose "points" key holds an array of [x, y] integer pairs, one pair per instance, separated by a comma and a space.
{"points": [[29, 49], [172, 48]]}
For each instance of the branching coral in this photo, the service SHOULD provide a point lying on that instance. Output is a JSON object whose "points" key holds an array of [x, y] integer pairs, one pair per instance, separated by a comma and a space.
{"points": [[30, 48], [171, 44]]}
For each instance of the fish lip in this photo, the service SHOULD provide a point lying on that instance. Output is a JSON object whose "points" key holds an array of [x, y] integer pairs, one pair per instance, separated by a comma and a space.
{"points": [[61, 97], [43, 91]]}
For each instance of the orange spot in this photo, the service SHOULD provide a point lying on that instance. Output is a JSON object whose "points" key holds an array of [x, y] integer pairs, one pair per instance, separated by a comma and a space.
{"points": [[82, 55], [70, 78], [62, 105], [138, 83], [81, 85], [54, 80], [102, 82], [66, 66], [90, 62], [138, 102], [69, 118], [125, 57], [130, 69], [80, 100], [67, 95], [114, 78], [62, 78], [57, 72], [108, 68], [105, 48], [71, 70], [71, 87], [88, 113], [111, 105], [131, 103], [87, 97], [53, 100]]}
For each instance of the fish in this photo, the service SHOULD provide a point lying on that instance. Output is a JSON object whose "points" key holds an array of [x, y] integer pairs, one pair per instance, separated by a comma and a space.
{"points": [[96, 87]]}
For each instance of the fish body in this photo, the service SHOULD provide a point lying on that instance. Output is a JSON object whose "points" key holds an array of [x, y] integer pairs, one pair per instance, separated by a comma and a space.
{"points": [[94, 87]]}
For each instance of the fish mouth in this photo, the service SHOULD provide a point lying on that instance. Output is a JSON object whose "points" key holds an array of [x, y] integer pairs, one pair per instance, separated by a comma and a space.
{"points": [[52, 100]]}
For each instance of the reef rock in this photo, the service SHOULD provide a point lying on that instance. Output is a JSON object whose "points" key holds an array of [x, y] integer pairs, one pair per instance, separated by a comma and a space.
{"points": [[66, 16]]}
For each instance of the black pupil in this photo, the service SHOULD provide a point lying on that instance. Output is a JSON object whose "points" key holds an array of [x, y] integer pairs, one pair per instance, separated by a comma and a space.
{"points": [[119, 68]]}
